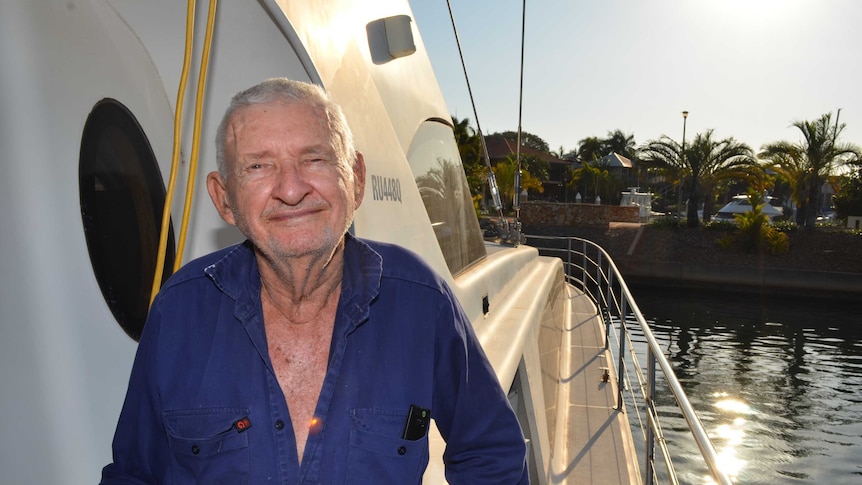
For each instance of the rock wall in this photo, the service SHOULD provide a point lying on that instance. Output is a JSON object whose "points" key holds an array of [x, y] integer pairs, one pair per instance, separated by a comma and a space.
{"points": [[557, 214]]}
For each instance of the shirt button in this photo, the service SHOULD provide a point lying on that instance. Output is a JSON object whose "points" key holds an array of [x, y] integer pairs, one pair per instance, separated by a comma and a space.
{"points": [[195, 449], [279, 424], [402, 450]]}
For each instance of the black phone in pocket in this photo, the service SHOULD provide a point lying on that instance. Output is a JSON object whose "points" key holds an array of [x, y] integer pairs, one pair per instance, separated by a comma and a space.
{"points": [[416, 426]]}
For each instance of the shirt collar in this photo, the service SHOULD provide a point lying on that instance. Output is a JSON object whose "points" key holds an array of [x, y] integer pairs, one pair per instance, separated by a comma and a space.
{"points": [[237, 276]]}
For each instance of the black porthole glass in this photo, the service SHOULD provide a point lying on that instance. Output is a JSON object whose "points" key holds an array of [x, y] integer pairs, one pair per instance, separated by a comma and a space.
{"points": [[122, 197]]}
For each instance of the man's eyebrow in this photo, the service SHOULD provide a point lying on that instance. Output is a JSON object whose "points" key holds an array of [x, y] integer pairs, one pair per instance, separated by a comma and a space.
{"points": [[254, 156], [319, 149]]}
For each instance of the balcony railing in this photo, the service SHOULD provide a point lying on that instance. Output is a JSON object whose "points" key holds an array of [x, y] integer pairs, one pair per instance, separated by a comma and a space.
{"points": [[589, 268]]}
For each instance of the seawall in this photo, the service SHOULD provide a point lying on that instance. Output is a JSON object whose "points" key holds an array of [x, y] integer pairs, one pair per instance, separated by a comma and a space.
{"points": [[821, 264], [778, 281]]}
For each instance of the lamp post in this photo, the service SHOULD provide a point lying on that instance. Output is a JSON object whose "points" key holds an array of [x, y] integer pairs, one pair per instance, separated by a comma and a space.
{"points": [[682, 167]]}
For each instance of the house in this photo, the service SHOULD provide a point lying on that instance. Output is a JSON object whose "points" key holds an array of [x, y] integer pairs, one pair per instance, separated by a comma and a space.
{"points": [[621, 166], [559, 170]]}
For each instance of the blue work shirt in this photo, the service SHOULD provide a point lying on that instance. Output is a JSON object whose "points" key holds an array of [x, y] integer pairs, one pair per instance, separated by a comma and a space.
{"points": [[204, 405]]}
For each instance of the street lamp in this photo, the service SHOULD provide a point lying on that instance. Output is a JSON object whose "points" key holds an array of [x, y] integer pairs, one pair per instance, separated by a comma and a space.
{"points": [[679, 189]]}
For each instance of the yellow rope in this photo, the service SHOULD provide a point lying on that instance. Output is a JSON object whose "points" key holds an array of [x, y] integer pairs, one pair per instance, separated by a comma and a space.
{"points": [[196, 138], [175, 158]]}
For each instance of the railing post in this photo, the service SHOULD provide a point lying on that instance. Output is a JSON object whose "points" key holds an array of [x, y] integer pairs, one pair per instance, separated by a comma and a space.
{"points": [[610, 291], [624, 334], [584, 265], [599, 279], [651, 410]]}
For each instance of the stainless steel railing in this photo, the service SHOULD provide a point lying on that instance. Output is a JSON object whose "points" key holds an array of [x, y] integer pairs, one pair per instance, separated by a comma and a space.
{"points": [[591, 269]]}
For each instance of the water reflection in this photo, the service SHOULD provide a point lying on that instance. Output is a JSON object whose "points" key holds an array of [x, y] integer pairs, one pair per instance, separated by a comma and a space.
{"points": [[777, 384], [728, 436]]}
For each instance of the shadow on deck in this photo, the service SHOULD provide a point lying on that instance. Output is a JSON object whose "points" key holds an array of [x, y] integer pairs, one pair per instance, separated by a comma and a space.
{"points": [[598, 446]]}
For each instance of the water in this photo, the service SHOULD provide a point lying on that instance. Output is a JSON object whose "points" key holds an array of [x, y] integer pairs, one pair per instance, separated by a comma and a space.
{"points": [[777, 383]]}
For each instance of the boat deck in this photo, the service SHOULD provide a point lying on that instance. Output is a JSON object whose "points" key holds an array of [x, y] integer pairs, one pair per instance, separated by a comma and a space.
{"points": [[593, 441], [599, 446]]}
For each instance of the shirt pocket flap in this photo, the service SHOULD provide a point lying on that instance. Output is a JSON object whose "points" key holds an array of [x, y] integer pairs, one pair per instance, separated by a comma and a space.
{"points": [[206, 431]]}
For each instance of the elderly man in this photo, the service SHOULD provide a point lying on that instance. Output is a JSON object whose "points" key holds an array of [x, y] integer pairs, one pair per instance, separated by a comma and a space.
{"points": [[306, 355]]}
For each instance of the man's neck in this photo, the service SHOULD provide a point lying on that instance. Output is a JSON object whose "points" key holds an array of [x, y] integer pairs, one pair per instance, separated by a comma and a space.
{"points": [[300, 287]]}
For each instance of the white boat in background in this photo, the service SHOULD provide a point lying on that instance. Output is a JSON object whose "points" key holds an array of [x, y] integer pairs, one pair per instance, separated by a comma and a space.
{"points": [[88, 101], [740, 205]]}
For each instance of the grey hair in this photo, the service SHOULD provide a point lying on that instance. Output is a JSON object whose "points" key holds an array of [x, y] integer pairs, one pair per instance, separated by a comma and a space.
{"points": [[285, 90]]}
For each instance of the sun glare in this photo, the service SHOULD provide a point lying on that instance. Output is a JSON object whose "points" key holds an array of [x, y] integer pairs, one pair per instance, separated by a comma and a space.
{"points": [[728, 437], [755, 15]]}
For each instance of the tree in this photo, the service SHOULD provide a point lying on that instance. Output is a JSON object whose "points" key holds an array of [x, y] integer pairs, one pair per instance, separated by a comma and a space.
{"points": [[592, 175], [590, 149], [848, 201], [536, 166], [470, 149], [504, 171], [619, 142], [527, 140], [806, 164], [705, 163], [754, 234]]}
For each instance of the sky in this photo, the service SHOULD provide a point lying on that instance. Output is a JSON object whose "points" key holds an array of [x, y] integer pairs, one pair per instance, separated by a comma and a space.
{"points": [[745, 68]]}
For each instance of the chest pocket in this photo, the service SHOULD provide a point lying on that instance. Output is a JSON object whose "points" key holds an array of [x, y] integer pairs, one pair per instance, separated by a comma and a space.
{"points": [[207, 447], [377, 453]]}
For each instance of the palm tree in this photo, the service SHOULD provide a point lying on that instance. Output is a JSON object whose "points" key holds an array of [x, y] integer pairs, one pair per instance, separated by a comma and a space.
{"points": [[705, 163], [591, 175], [806, 164], [470, 149], [589, 149], [504, 171], [619, 142]]}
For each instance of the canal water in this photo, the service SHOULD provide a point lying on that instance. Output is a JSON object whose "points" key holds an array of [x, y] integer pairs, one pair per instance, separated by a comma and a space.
{"points": [[776, 381]]}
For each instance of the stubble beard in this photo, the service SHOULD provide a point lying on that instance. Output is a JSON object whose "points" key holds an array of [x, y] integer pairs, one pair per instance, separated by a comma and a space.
{"points": [[279, 252]]}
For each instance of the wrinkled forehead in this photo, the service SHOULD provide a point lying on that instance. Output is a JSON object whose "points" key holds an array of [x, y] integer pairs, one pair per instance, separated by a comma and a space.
{"points": [[278, 123], [254, 116]]}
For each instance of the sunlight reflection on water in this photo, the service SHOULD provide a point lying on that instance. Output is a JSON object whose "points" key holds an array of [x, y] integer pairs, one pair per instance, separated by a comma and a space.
{"points": [[777, 384], [729, 436]]}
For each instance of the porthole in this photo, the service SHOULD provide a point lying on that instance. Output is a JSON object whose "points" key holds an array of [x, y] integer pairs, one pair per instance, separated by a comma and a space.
{"points": [[122, 197]]}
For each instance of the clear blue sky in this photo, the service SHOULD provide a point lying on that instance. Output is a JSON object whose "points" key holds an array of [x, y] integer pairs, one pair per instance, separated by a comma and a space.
{"points": [[745, 68]]}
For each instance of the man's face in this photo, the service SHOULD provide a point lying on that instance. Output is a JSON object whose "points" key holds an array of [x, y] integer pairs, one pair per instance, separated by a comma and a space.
{"points": [[286, 188]]}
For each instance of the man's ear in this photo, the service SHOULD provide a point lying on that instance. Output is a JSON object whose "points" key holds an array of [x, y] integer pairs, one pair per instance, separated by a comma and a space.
{"points": [[218, 193], [359, 179]]}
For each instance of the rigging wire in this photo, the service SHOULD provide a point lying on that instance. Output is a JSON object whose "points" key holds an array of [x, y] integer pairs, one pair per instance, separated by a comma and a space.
{"points": [[492, 179], [516, 197], [512, 236], [175, 158]]}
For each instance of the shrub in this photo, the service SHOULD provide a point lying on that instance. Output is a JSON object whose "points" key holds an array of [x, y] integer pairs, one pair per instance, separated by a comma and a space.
{"points": [[667, 222], [719, 226], [753, 233], [784, 225]]}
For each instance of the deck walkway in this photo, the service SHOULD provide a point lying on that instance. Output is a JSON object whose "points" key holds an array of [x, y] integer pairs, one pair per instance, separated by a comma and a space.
{"points": [[599, 447]]}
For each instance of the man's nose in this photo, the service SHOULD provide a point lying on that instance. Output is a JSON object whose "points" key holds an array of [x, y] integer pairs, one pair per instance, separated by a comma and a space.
{"points": [[291, 184]]}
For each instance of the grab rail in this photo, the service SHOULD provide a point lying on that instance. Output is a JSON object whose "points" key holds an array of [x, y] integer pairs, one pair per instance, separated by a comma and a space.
{"points": [[590, 268]]}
